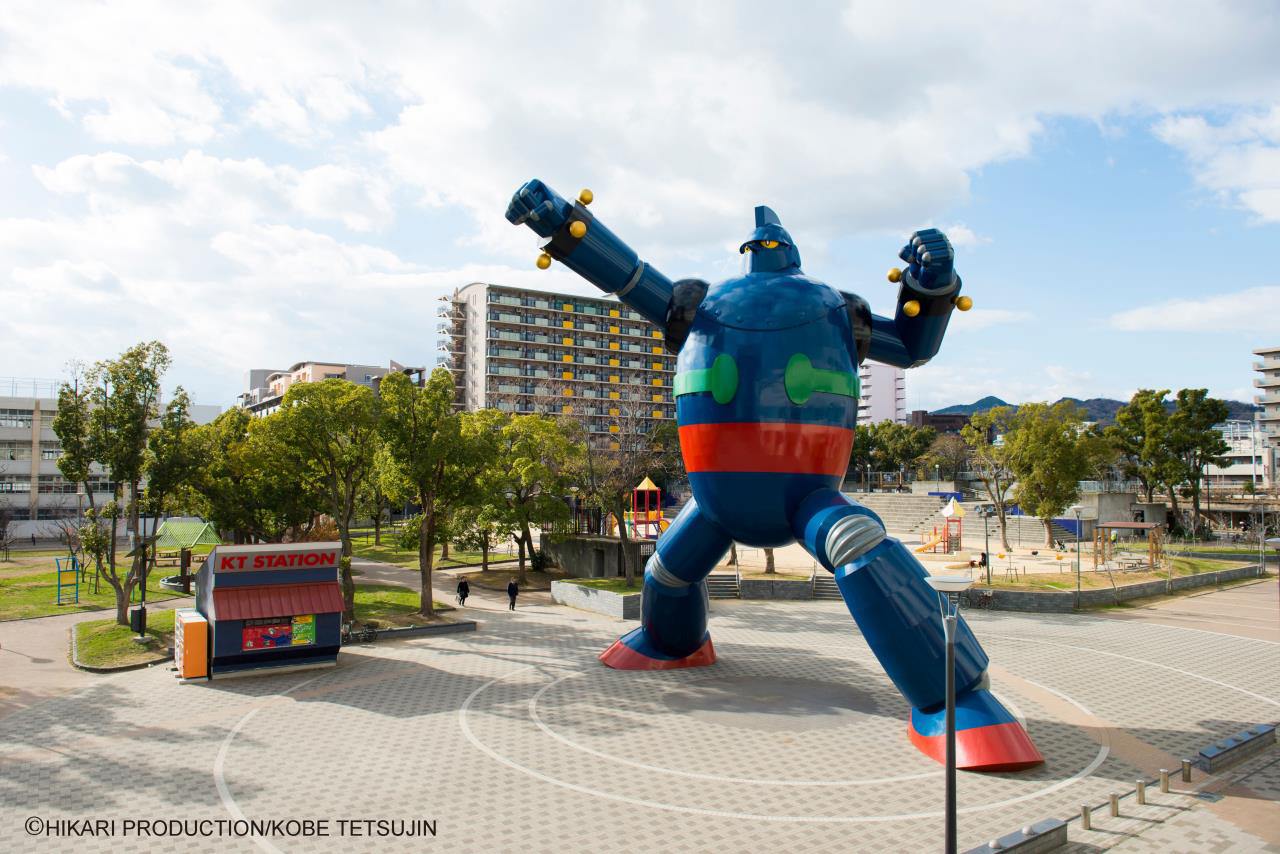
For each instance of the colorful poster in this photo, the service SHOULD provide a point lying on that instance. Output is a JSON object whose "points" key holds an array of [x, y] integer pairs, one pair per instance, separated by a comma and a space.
{"points": [[304, 629], [266, 634]]}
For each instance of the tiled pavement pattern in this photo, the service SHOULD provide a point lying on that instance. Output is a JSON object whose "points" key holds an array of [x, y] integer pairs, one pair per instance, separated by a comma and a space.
{"points": [[794, 741]]}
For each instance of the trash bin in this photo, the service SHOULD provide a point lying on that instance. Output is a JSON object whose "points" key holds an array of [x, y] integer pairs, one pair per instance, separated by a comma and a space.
{"points": [[138, 620]]}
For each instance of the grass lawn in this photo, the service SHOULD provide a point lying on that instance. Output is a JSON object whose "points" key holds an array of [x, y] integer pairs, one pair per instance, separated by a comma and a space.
{"points": [[388, 552], [613, 585], [33, 595], [383, 606], [102, 643], [496, 579]]}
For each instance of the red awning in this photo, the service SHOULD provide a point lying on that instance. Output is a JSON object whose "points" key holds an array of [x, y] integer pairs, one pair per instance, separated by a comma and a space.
{"points": [[276, 600]]}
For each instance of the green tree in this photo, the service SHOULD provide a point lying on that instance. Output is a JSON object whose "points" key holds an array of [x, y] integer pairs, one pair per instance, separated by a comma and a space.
{"points": [[531, 474], [1049, 451], [123, 402], [949, 454], [860, 455], [1140, 436], [71, 424], [172, 459], [1194, 440], [989, 459], [329, 431], [433, 454], [895, 447]]}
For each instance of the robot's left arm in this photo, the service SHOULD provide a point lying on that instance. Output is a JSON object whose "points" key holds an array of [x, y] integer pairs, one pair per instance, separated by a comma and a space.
{"points": [[929, 290]]}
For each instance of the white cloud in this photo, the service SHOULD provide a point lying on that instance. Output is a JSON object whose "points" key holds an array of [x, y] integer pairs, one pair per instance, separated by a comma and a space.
{"points": [[1238, 159], [1247, 311], [963, 236]]}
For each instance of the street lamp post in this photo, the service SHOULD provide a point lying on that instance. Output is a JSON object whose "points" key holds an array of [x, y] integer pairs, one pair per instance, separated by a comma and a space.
{"points": [[949, 588], [1076, 508], [986, 540]]}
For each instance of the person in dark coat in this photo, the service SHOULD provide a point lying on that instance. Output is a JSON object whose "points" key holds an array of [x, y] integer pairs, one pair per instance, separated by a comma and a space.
{"points": [[464, 590], [513, 590]]}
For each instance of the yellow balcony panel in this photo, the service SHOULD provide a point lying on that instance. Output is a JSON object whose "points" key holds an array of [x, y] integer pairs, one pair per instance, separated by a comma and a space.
{"points": [[613, 378], [613, 312], [567, 306], [657, 366], [657, 381], [657, 398], [567, 324], [613, 446], [568, 342], [615, 395], [657, 413], [566, 408], [567, 357], [613, 329], [613, 411], [613, 345], [566, 375], [568, 392], [614, 363], [657, 333], [614, 428], [658, 350]]}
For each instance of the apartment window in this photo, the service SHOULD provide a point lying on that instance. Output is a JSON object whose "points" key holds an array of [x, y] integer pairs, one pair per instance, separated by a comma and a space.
{"points": [[50, 450], [15, 450], [20, 418], [14, 483]]}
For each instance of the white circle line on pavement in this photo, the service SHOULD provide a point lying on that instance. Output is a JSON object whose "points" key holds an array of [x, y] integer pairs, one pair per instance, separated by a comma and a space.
{"points": [[1170, 668], [220, 761], [816, 819]]}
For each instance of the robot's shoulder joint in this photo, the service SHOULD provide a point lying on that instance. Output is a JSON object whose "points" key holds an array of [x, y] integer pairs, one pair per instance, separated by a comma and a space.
{"points": [[859, 322]]}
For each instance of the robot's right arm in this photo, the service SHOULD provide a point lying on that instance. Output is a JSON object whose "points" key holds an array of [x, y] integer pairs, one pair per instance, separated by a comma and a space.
{"points": [[583, 244]]}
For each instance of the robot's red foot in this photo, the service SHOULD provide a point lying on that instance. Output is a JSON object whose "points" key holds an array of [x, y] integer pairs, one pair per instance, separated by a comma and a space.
{"points": [[633, 651], [988, 738]]}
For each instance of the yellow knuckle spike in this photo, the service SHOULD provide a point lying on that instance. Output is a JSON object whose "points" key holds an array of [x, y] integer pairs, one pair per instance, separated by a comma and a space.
{"points": [[544, 261], [911, 308], [964, 303], [895, 275], [577, 228], [586, 196]]}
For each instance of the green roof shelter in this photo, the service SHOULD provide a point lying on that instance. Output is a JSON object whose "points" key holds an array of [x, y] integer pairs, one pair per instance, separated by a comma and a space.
{"points": [[184, 532]]}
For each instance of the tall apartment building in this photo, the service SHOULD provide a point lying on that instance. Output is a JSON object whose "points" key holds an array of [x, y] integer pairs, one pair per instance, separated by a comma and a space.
{"points": [[1247, 458], [532, 351], [884, 394], [265, 387], [1269, 397], [32, 489]]}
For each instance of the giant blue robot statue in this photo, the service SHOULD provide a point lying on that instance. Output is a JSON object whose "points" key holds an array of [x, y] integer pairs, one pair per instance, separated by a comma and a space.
{"points": [[767, 394]]}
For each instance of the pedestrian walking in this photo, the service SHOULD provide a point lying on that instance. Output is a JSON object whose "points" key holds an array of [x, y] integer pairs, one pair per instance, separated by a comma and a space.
{"points": [[464, 590], [513, 590]]}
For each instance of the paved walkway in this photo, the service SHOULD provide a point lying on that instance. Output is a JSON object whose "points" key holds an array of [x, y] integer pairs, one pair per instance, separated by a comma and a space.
{"points": [[1247, 611], [514, 738]]}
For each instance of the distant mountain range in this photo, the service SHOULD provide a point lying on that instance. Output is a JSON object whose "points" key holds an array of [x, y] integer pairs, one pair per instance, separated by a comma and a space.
{"points": [[1100, 409]]}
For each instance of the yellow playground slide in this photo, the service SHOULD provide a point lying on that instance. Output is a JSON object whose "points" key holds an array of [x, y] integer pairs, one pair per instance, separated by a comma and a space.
{"points": [[938, 538]]}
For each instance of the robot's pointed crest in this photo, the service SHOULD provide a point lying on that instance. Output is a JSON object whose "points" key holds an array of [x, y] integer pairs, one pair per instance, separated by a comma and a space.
{"points": [[766, 216]]}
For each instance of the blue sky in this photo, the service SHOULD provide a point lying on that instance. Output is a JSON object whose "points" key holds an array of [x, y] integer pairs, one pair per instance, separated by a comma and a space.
{"points": [[257, 185]]}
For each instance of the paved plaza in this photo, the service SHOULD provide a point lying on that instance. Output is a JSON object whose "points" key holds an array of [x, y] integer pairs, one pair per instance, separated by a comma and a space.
{"points": [[514, 738]]}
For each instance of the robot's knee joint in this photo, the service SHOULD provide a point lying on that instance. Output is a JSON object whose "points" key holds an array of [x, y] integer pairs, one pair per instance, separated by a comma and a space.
{"points": [[852, 537], [662, 575]]}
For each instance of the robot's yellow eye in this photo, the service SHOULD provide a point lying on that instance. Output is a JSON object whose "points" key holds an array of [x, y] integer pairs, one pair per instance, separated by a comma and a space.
{"points": [[769, 244]]}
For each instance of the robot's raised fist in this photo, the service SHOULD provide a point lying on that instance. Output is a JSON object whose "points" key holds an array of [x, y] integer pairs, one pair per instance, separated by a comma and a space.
{"points": [[538, 206], [931, 258]]}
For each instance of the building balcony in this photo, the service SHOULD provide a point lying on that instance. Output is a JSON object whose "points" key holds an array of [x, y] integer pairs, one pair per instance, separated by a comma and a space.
{"points": [[1267, 399]]}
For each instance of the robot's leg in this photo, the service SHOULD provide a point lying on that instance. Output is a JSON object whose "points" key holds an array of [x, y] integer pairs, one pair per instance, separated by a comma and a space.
{"points": [[673, 622], [884, 588]]}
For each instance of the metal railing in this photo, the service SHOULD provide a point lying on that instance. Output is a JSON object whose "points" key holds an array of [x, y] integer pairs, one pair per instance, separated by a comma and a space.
{"points": [[29, 387]]}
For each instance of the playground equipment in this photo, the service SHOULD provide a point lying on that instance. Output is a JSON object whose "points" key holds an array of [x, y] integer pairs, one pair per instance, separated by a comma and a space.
{"points": [[767, 394], [68, 577], [1104, 542], [644, 520], [174, 542], [946, 539]]}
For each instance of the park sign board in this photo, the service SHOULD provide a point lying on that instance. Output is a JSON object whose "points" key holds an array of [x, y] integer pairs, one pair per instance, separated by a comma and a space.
{"points": [[275, 556]]}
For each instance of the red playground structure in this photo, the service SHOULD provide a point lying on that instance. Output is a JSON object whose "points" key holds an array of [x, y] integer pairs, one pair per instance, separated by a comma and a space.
{"points": [[646, 510]]}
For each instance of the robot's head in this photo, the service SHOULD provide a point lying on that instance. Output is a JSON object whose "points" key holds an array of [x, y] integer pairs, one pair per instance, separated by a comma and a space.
{"points": [[770, 249]]}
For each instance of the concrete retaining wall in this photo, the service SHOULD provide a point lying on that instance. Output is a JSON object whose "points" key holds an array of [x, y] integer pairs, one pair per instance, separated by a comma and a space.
{"points": [[624, 606], [1061, 602], [584, 556], [760, 588]]}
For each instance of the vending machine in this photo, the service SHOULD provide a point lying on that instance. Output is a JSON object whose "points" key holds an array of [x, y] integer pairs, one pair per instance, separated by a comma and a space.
{"points": [[270, 607], [190, 643]]}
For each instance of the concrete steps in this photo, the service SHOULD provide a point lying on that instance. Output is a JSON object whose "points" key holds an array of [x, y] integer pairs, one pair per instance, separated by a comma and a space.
{"points": [[824, 586], [902, 513], [723, 585]]}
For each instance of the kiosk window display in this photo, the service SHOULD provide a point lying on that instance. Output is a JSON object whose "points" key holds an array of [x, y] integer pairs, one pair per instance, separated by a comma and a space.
{"points": [[268, 607]]}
